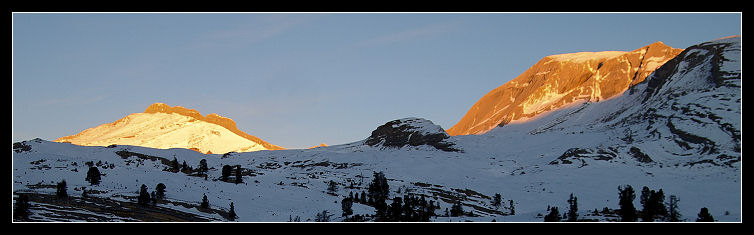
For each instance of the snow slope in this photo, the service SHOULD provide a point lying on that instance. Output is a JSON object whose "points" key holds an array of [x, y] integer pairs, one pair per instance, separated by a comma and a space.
{"points": [[679, 131]]}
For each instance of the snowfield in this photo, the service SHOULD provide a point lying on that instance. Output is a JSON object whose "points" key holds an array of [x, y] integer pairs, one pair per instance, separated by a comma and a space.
{"points": [[687, 124]]}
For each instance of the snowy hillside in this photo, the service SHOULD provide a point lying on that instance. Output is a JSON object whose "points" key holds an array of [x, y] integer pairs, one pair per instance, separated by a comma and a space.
{"points": [[679, 130]]}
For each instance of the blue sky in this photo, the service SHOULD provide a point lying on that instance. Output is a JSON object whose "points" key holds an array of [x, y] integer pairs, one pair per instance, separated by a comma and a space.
{"points": [[297, 80]]}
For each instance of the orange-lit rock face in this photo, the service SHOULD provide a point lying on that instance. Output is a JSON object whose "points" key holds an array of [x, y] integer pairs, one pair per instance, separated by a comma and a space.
{"points": [[163, 126], [320, 145], [559, 80]]}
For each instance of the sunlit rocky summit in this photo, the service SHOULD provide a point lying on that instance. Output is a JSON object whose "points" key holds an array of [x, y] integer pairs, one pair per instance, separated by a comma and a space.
{"points": [[164, 127], [558, 80]]}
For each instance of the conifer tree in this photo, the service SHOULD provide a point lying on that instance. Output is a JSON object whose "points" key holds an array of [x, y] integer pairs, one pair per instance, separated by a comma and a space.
{"points": [[573, 209], [203, 166], [379, 188], [497, 201], [174, 165], [456, 209], [226, 172], [160, 191], [346, 205], [62, 190], [93, 176], [673, 214], [381, 209], [232, 213], [553, 216], [144, 198], [705, 216], [185, 167], [239, 178], [332, 187], [513, 209], [626, 198], [205, 202], [395, 210]]}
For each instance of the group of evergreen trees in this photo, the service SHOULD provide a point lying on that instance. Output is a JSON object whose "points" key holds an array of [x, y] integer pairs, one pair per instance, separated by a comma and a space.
{"points": [[201, 170], [175, 167], [653, 205], [406, 208], [571, 216], [146, 198]]}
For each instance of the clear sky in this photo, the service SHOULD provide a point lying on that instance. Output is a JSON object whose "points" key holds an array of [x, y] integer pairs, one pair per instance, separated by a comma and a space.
{"points": [[297, 80]]}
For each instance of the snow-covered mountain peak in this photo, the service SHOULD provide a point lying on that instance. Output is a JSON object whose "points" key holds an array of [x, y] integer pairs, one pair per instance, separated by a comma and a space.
{"points": [[163, 126]]}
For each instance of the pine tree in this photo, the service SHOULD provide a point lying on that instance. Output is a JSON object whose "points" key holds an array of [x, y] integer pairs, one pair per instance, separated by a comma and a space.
{"points": [[456, 210], [573, 209], [705, 216], [381, 209], [497, 201], [653, 203], [226, 172], [379, 188], [673, 214], [205, 202], [395, 210], [62, 190], [553, 216], [644, 198], [203, 166], [174, 165], [332, 187], [93, 176], [185, 167], [626, 198], [144, 198], [160, 191], [346, 205], [239, 178], [513, 209], [232, 213]]}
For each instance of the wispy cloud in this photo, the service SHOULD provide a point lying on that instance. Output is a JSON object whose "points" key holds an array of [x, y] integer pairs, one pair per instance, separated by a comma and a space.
{"points": [[411, 34], [263, 27]]}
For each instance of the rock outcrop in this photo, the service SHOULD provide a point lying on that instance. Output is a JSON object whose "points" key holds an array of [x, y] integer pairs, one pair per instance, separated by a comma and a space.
{"points": [[410, 131], [559, 80]]}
